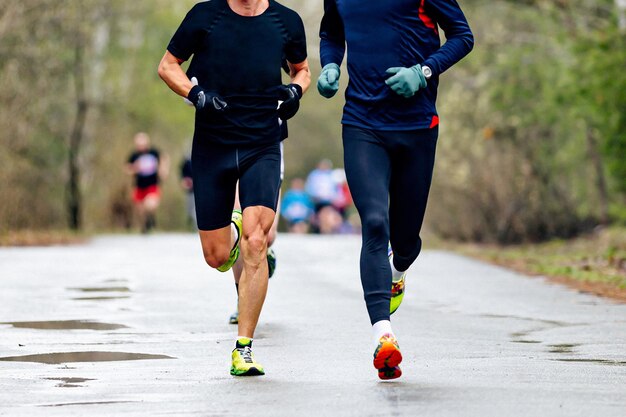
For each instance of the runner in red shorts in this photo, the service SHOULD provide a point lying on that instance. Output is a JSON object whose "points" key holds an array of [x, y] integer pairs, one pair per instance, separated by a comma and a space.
{"points": [[148, 166]]}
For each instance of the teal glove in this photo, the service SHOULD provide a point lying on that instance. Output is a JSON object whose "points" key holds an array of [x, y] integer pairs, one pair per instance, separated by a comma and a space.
{"points": [[406, 81], [328, 82]]}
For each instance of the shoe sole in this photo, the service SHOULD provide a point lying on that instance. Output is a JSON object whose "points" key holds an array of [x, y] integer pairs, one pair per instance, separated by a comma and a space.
{"points": [[233, 321], [389, 373], [249, 372], [389, 356]]}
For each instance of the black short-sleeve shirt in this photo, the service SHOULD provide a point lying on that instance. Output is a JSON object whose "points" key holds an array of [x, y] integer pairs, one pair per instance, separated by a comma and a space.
{"points": [[239, 58], [147, 167]]}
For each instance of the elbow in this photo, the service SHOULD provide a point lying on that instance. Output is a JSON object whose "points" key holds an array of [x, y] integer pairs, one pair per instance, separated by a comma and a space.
{"points": [[162, 70], [469, 42]]}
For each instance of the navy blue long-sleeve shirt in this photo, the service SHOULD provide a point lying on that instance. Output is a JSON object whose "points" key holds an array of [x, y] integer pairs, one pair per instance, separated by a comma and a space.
{"points": [[392, 33]]}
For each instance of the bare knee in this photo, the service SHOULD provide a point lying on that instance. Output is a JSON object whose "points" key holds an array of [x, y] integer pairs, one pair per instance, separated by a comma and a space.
{"points": [[256, 242], [216, 258]]}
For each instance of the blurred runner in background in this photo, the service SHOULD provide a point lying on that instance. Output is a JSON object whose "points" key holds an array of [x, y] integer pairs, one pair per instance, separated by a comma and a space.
{"points": [[148, 167]]}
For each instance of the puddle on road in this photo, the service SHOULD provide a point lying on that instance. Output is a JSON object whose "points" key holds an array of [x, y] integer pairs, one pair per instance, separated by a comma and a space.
{"points": [[122, 297], [519, 337], [112, 280], [67, 357], [113, 342], [70, 382], [88, 403], [65, 325], [100, 289], [598, 361], [563, 348]]}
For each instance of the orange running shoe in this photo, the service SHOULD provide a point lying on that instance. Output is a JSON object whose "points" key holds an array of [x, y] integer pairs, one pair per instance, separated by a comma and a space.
{"points": [[387, 357]]}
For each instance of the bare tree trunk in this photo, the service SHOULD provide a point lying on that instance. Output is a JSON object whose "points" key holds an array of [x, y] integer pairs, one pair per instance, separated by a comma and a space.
{"points": [[73, 194], [598, 166], [621, 13]]}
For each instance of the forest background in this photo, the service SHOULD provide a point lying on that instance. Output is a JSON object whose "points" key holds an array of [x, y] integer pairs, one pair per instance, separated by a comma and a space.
{"points": [[532, 143]]}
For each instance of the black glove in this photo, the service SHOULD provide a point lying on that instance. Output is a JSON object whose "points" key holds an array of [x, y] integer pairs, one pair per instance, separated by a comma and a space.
{"points": [[204, 99], [290, 96]]}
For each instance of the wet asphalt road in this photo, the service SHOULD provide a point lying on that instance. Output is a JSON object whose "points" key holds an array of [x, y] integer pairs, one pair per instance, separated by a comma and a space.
{"points": [[138, 326]]}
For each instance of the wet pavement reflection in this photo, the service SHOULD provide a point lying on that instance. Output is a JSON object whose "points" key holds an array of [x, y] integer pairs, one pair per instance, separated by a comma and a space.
{"points": [[65, 325], [69, 357], [103, 298], [70, 382], [87, 403], [100, 289]]}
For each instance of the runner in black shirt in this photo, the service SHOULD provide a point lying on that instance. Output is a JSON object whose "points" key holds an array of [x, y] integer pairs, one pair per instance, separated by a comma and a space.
{"points": [[146, 165], [237, 48]]}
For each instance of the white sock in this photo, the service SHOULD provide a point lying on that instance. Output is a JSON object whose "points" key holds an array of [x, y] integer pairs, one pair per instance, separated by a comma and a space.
{"points": [[234, 235], [380, 328], [395, 274]]}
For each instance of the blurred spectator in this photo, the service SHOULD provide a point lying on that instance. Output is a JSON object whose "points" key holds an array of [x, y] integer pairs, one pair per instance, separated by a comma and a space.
{"points": [[329, 190], [343, 199], [329, 220], [321, 185], [186, 181], [297, 207]]}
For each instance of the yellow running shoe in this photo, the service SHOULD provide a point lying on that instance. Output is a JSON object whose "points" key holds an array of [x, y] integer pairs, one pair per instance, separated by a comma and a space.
{"points": [[397, 294], [237, 220], [397, 287], [387, 357], [243, 361]]}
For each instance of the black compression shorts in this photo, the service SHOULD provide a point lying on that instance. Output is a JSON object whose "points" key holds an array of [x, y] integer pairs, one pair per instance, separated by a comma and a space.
{"points": [[218, 167]]}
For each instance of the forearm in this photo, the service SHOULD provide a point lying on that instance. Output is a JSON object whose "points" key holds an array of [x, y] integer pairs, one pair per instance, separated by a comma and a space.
{"points": [[173, 75], [331, 52], [449, 54], [459, 37], [302, 77]]}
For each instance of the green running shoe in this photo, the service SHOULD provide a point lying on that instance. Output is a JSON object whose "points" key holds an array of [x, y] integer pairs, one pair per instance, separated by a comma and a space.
{"points": [[237, 220], [397, 288], [243, 361], [271, 262], [397, 294]]}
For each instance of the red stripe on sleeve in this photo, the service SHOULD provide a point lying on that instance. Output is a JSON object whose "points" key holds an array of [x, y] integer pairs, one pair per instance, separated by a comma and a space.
{"points": [[434, 122], [428, 22]]}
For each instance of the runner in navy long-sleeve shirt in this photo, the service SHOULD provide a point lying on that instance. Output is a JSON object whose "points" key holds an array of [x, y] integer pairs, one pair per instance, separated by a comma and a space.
{"points": [[390, 130]]}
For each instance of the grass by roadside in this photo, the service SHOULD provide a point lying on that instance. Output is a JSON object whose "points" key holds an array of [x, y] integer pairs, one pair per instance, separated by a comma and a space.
{"points": [[41, 238], [593, 263]]}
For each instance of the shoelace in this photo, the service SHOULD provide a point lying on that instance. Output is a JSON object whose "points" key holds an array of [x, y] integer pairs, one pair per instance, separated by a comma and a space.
{"points": [[246, 354]]}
